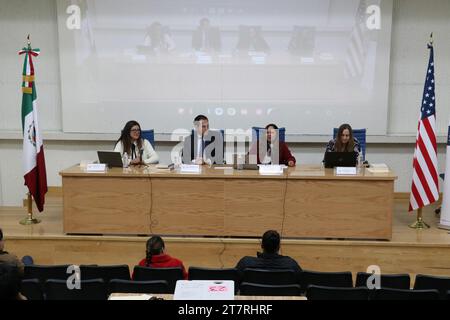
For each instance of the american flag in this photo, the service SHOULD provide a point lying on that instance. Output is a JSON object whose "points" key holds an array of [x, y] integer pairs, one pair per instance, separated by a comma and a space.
{"points": [[425, 187], [357, 47]]}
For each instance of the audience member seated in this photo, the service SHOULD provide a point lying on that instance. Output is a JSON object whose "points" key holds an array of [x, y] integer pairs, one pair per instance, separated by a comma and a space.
{"points": [[269, 259], [156, 256], [273, 143], [10, 283], [11, 259]]}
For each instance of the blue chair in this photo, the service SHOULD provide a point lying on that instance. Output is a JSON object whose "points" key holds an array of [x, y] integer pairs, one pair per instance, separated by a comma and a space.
{"points": [[359, 134], [281, 133], [150, 136]]}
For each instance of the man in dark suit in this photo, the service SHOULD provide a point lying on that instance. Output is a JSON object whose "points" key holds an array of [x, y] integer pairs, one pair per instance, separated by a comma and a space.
{"points": [[206, 38], [203, 146]]}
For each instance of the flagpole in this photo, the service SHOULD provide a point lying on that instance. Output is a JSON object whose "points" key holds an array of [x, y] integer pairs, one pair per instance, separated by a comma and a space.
{"points": [[29, 220]]}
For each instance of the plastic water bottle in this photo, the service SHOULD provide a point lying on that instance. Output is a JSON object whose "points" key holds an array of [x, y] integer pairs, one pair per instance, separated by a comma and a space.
{"points": [[360, 161], [125, 160]]}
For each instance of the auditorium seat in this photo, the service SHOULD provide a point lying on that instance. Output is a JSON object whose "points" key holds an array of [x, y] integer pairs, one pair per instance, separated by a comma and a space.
{"points": [[89, 290], [32, 289], [270, 277], [129, 286], [389, 281], [256, 289], [336, 293], [398, 294], [427, 282], [171, 275], [106, 273], [328, 279], [198, 273], [43, 273]]}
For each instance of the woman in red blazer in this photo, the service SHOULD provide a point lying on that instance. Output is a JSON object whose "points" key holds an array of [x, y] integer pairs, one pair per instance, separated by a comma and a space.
{"points": [[157, 258], [285, 156]]}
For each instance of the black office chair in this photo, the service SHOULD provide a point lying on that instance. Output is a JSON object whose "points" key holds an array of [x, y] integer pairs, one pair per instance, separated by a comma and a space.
{"points": [[197, 273], [256, 289], [89, 290], [327, 279], [128, 286], [43, 273], [398, 294], [171, 275], [334, 293], [426, 282], [32, 289], [270, 277], [388, 281], [106, 273]]}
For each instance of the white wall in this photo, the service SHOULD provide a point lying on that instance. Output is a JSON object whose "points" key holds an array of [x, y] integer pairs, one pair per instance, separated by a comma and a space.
{"points": [[412, 22]]}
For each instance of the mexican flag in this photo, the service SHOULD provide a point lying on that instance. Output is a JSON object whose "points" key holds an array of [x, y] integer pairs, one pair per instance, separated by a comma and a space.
{"points": [[33, 148]]}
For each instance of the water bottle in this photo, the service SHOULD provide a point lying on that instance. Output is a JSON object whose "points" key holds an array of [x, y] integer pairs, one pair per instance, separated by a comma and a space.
{"points": [[125, 160], [360, 161]]}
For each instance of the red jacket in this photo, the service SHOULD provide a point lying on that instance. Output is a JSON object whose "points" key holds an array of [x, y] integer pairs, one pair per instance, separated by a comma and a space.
{"points": [[285, 154], [164, 261]]}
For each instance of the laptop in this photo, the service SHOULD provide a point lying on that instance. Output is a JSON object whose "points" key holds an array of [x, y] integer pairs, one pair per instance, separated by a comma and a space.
{"points": [[340, 159], [111, 158], [246, 165]]}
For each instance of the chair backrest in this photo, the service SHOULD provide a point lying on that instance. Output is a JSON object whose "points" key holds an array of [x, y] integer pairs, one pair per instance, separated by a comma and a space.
{"points": [[32, 289], [128, 286], [149, 135], [390, 281], [171, 275], [327, 279], [398, 294], [270, 277], [43, 273], [105, 272], [256, 131], [359, 134], [256, 289], [89, 290], [197, 273], [426, 282], [334, 293]]}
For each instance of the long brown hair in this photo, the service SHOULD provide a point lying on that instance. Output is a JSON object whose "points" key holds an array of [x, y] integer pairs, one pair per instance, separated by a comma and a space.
{"points": [[155, 246], [126, 139], [350, 145]]}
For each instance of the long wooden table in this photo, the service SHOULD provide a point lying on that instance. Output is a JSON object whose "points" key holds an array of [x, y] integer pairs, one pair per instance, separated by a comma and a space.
{"points": [[306, 201]]}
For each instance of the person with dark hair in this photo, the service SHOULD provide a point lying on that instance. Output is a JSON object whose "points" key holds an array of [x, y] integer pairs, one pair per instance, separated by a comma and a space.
{"points": [[206, 38], [10, 283], [8, 258], [251, 39], [273, 143], [138, 150], [156, 256], [269, 259], [159, 39], [198, 143], [344, 141]]}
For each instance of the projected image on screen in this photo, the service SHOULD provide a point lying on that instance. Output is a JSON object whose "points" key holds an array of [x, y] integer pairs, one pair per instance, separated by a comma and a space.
{"points": [[307, 65]]}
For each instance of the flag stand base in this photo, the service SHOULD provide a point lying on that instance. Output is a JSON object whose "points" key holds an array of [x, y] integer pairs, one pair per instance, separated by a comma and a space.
{"points": [[419, 224], [29, 220]]}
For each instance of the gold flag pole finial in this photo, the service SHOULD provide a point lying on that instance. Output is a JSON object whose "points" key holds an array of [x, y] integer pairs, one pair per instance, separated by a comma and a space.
{"points": [[431, 38]]}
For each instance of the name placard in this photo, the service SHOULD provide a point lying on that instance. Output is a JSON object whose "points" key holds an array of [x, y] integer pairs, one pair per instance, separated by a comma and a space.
{"points": [[96, 167], [346, 171], [270, 169], [190, 168]]}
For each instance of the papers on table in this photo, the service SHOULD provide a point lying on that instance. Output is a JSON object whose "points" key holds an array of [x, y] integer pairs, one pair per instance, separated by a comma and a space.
{"points": [[204, 290], [130, 297], [378, 168]]}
